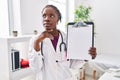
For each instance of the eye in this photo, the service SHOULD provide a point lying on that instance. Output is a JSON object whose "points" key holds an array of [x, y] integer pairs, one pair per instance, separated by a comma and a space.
{"points": [[52, 16], [43, 15]]}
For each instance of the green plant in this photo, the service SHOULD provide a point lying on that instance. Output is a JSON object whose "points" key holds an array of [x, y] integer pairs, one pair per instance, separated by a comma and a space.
{"points": [[82, 13]]}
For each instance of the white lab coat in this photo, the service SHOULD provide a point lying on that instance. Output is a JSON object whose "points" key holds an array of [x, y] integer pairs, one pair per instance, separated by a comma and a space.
{"points": [[45, 67]]}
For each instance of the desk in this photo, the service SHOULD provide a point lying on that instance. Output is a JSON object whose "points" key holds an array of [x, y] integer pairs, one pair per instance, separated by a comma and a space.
{"points": [[109, 76], [110, 59], [101, 63], [105, 62]]}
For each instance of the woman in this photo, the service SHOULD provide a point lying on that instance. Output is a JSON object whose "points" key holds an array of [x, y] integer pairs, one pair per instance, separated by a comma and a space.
{"points": [[45, 57]]}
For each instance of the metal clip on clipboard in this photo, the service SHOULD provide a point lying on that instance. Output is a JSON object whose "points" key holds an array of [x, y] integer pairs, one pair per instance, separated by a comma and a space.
{"points": [[78, 24]]}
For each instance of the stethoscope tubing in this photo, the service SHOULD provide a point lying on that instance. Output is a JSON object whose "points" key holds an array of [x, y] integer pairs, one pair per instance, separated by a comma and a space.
{"points": [[60, 46]]}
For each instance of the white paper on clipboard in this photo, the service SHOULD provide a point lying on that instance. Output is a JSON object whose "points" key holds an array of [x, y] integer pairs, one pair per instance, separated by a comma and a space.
{"points": [[79, 41]]}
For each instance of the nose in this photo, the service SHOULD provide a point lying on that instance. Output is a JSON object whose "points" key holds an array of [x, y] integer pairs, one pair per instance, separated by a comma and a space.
{"points": [[47, 18]]}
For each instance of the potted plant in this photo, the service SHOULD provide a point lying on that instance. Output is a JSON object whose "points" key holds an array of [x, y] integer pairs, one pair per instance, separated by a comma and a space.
{"points": [[82, 13]]}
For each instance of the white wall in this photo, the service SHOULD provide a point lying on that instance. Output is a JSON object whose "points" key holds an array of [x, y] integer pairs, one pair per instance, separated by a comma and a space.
{"points": [[14, 16], [31, 15], [4, 19], [107, 20], [25, 15], [70, 11], [106, 14]]}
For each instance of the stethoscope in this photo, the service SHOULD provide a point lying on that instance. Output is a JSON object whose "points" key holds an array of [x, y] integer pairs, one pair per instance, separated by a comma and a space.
{"points": [[62, 43], [61, 46]]}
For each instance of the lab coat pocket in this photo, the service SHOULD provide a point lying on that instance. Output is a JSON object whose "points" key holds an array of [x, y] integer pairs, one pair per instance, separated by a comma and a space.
{"points": [[36, 59], [40, 62], [65, 68], [36, 63]]}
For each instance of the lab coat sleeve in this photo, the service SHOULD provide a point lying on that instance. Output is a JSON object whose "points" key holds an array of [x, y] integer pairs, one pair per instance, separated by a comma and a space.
{"points": [[35, 58]]}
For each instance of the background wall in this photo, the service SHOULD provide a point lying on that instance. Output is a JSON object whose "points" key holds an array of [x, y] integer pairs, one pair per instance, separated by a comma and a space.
{"points": [[31, 15], [107, 18], [4, 22], [106, 14], [25, 15]]}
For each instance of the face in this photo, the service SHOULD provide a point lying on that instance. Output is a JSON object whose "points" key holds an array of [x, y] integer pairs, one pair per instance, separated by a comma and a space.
{"points": [[50, 18]]}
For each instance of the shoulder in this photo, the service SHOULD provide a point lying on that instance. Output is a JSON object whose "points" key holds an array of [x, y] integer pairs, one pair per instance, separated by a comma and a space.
{"points": [[63, 33]]}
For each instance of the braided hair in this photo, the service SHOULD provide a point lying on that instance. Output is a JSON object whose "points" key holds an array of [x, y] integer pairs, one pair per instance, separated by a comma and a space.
{"points": [[56, 9]]}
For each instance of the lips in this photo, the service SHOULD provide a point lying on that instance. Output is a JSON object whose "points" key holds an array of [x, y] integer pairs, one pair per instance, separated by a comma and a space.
{"points": [[47, 25]]}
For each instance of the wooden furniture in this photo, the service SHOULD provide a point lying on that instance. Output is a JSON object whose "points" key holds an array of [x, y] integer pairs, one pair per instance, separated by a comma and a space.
{"points": [[82, 74]]}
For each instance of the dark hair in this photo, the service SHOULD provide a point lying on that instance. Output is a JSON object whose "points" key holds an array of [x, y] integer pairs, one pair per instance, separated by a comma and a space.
{"points": [[56, 9]]}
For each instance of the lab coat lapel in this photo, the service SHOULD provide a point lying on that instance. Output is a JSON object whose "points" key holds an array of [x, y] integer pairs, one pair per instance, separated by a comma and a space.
{"points": [[51, 45]]}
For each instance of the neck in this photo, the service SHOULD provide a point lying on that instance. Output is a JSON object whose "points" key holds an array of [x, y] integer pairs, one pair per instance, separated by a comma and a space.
{"points": [[55, 32]]}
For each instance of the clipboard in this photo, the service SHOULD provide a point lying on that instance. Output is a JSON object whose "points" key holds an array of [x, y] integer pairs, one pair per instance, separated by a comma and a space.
{"points": [[80, 37]]}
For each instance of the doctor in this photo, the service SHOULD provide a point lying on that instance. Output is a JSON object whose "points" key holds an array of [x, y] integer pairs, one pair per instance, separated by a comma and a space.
{"points": [[47, 58]]}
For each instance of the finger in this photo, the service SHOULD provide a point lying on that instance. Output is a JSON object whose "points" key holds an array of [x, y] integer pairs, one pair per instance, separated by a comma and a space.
{"points": [[93, 56], [51, 37], [92, 51], [50, 30], [92, 48], [48, 35]]}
